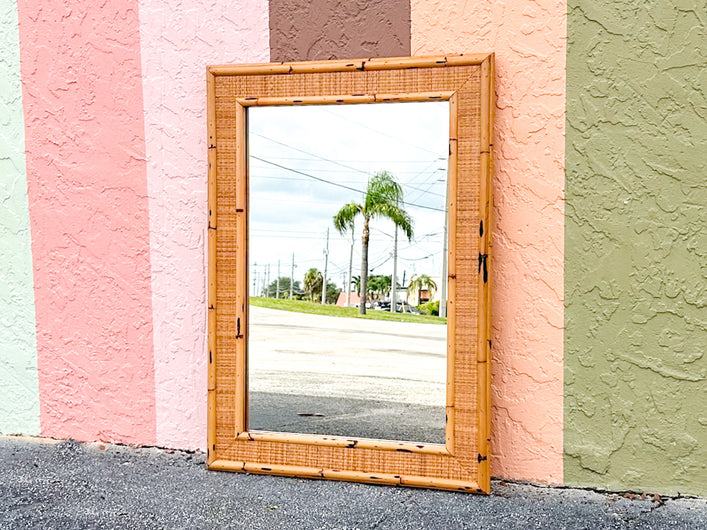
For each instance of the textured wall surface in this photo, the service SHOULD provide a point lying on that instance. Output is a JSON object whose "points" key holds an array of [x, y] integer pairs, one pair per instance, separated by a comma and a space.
{"points": [[88, 208], [528, 38], [334, 29], [636, 277], [114, 128], [19, 394], [178, 39]]}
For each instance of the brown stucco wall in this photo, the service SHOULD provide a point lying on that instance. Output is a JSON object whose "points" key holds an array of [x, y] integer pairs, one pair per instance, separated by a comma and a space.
{"points": [[334, 29]]}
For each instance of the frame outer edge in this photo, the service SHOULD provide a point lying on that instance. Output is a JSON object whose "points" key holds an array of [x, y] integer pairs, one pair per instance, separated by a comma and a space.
{"points": [[350, 476], [485, 62], [211, 229], [388, 63], [484, 361]]}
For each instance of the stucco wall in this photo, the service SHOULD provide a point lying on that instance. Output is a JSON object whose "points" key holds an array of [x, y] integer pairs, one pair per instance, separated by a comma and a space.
{"points": [[302, 30], [160, 128], [103, 155], [528, 38], [636, 268], [19, 397], [178, 39], [88, 209]]}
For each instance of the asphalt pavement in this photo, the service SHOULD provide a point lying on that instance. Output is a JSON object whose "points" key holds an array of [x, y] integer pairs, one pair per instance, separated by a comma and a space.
{"points": [[67, 485]]}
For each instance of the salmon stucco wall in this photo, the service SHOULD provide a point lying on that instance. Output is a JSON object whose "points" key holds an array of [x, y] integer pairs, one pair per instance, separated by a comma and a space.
{"points": [[85, 150], [178, 40], [528, 38], [19, 392], [636, 267]]}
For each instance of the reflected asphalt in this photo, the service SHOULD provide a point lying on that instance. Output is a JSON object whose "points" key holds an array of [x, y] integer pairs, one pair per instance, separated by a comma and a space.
{"points": [[344, 376], [359, 418]]}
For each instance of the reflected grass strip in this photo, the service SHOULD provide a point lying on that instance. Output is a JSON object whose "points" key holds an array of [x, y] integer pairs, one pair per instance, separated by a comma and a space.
{"points": [[314, 308]]}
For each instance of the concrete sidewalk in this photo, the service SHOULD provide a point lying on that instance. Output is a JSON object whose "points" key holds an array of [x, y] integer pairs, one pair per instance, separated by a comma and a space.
{"points": [[67, 485]]}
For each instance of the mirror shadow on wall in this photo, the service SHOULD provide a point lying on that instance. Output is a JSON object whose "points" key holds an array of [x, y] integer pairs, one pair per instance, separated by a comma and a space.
{"points": [[315, 364]]}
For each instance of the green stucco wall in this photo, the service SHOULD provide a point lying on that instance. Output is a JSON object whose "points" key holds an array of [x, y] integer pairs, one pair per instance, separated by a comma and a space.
{"points": [[19, 393], [636, 246]]}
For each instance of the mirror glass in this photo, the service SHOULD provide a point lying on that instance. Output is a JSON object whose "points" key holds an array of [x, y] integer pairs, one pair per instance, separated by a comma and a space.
{"points": [[327, 182]]}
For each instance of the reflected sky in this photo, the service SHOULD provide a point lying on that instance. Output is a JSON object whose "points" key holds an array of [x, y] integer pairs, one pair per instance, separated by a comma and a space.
{"points": [[306, 162]]}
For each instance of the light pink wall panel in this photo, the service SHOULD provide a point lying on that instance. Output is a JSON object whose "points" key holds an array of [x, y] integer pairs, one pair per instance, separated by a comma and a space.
{"points": [[178, 39], [529, 38], [88, 207]]}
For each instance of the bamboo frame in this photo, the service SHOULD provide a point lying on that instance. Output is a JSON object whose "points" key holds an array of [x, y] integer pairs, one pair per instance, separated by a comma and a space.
{"points": [[211, 310], [462, 462], [343, 99], [342, 441], [451, 268], [352, 65]]}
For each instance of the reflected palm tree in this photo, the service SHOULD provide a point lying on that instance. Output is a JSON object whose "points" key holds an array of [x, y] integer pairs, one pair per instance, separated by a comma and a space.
{"points": [[383, 198], [378, 286], [356, 281], [422, 282], [312, 283]]}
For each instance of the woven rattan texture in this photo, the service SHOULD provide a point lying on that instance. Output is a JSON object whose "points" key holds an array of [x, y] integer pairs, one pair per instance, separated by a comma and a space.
{"points": [[231, 270]]}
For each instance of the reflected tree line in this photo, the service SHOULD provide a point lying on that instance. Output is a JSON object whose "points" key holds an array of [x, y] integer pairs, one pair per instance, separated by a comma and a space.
{"points": [[383, 199]]}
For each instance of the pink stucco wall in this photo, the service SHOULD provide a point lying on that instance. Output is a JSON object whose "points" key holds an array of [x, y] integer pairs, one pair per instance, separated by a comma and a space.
{"points": [[178, 39], [88, 208], [528, 37]]}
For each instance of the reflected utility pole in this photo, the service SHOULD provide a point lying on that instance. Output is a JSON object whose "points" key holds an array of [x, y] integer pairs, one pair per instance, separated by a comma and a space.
{"points": [[443, 280], [326, 263], [393, 279], [292, 276], [255, 279], [267, 283], [348, 285]]}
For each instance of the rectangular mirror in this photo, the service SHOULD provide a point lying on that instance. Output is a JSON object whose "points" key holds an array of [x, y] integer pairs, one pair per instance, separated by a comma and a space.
{"points": [[319, 178], [339, 188]]}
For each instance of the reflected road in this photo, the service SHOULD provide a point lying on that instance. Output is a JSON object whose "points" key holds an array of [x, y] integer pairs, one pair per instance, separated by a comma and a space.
{"points": [[346, 376]]}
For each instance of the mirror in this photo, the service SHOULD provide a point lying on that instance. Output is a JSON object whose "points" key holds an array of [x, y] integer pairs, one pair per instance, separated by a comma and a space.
{"points": [[319, 175]]}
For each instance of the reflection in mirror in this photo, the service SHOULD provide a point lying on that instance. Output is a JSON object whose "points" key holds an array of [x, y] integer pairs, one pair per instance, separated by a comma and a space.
{"points": [[347, 202]]}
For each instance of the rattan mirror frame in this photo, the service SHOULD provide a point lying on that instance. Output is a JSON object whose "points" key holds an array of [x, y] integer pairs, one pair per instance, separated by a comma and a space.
{"points": [[466, 81]]}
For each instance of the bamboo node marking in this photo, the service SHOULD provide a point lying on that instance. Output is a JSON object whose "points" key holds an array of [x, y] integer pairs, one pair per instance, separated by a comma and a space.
{"points": [[482, 264]]}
